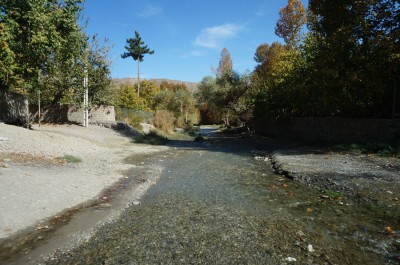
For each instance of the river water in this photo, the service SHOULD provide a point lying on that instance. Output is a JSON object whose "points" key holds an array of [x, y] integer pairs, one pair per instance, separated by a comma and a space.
{"points": [[214, 203]]}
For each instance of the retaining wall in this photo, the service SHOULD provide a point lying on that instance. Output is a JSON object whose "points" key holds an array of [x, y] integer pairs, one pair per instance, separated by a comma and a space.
{"points": [[14, 108], [344, 130], [67, 114]]}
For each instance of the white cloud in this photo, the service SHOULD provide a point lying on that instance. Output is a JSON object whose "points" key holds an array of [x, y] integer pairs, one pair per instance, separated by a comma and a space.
{"points": [[150, 11], [213, 37], [193, 54]]}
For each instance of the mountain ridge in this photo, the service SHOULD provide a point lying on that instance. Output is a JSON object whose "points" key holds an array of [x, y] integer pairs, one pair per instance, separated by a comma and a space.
{"points": [[192, 86]]}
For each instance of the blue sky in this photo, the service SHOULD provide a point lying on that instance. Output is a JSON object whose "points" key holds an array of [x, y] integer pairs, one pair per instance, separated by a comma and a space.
{"points": [[186, 35]]}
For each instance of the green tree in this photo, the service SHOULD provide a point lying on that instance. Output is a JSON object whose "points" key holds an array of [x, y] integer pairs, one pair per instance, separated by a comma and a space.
{"points": [[7, 59], [136, 49], [177, 99], [128, 99], [149, 91], [36, 31], [99, 72], [358, 55], [291, 19], [43, 47], [225, 98]]}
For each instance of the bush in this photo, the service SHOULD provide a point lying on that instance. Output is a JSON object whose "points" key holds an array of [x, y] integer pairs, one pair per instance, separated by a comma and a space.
{"points": [[164, 120], [381, 149], [131, 117], [134, 121], [151, 138], [191, 130], [199, 138]]}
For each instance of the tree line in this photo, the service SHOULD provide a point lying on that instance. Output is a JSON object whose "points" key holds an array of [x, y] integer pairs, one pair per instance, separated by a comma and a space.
{"points": [[167, 105], [44, 49], [338, 59]]}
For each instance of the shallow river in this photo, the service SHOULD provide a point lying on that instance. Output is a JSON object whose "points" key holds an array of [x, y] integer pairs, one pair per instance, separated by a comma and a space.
{"points": [[214, 203]]}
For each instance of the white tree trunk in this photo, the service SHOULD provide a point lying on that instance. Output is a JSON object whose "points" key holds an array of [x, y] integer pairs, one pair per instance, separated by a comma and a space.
{"points": [[138, 78]]}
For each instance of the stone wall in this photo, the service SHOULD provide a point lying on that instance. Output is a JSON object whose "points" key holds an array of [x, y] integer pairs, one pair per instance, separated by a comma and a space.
{"points": [[67, 114], [97, 115], [14, 108], [343, 130], [49, 114]]}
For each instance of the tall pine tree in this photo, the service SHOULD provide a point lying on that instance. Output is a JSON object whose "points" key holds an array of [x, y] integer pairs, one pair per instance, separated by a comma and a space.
{"points": [[136, 49]]}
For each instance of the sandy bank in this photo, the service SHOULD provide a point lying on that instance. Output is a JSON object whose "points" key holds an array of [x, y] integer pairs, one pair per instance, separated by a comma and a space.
{"points": [[34, 185]]}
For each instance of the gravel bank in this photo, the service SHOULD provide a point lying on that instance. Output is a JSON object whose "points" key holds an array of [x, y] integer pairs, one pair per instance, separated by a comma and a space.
{"points": [[35, 185], [362, 177]]}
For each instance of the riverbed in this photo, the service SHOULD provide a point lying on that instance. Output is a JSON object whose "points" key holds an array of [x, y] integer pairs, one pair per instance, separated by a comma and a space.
{"points": [[220, 202]]}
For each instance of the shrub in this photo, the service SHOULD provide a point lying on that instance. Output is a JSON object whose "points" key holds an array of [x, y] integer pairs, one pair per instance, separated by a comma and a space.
{"points": [[199, 138], [151, 138], [134, 121], [130, 117], [164, 120]]}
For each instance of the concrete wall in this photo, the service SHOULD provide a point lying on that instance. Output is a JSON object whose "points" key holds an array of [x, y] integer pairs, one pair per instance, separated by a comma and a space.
{"points": [[14, 108], [344, 130]]}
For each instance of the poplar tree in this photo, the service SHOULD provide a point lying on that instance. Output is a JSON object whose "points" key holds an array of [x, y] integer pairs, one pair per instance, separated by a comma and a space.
{"points": [[291, 19], [136, 49]]}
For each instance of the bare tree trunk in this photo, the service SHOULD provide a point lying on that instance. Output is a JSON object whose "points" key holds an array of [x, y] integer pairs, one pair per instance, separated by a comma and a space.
{"points": [[138, 78], [227, 124]]}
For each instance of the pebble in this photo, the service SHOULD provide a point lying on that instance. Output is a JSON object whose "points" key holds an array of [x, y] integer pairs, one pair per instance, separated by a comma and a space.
{"points": [[290, 259], [310, 248]]}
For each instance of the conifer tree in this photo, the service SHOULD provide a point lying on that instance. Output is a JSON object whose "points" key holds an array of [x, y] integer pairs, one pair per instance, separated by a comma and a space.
{"points": [[225, 63], [136, 49]]}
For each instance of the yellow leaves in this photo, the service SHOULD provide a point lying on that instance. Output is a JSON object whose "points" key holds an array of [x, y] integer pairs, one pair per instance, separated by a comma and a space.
{"points": [[390, 232], [291, 19]]}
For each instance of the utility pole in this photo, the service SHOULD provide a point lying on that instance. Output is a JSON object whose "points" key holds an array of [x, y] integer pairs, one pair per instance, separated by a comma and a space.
{"points": [[39, 105], [86, 100], [39, 84]]}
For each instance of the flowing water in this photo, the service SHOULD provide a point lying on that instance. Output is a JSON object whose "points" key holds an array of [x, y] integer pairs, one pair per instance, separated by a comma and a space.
{"points": [[214, 203]]}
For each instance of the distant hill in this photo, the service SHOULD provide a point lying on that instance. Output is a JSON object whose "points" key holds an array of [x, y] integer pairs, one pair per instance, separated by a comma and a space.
{"points": [[192, 86]]}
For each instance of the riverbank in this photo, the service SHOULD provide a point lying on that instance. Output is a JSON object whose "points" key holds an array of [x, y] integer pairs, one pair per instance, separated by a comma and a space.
{"points": [[369, 179], [40, 182], [49, 169]]}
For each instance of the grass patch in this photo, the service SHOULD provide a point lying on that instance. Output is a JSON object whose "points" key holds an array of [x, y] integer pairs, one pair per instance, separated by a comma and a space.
{"points": [[381, 149], [199, 138], [70, 159], [151, 138], [333, 194]]}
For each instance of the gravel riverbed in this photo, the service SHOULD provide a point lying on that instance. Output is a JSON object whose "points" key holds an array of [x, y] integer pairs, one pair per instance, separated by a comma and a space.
{"points": [[221, 202]]}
